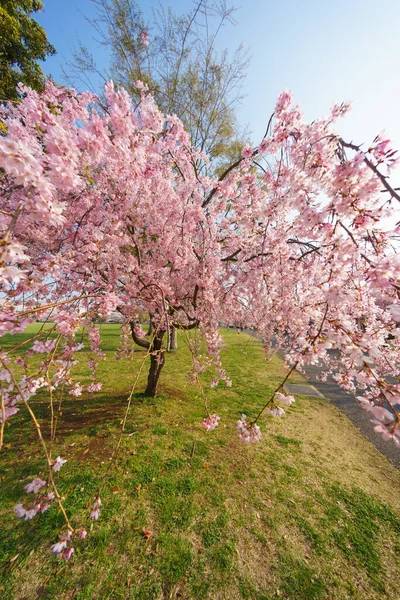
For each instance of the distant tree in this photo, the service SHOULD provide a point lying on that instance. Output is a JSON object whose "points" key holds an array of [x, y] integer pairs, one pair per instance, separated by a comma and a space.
{"points": [[22, 43], [178, 60]]}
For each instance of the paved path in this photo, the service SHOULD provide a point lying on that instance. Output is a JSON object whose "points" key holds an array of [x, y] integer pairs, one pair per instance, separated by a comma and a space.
{"points": [[349, 406]]}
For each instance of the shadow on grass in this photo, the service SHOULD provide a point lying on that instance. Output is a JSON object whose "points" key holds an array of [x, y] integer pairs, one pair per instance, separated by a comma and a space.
{"points": [[82, 416]]}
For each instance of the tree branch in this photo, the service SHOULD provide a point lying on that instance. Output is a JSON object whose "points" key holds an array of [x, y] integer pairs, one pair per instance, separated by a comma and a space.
{"points": [[373, 168]]}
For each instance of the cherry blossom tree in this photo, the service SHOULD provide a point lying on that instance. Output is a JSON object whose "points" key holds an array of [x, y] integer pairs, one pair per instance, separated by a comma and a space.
{"points": [[103, 209]]}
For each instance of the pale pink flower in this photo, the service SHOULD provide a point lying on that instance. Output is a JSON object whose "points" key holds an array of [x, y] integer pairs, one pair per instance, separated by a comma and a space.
{"points": [[76, 390], [381, 413], [58, 463], [66, 555], [248, 433], [20, 510], [82, 533], [95, 514], [5, 375], [32, 512], [211, 422], [144, 38], [65, 538], [276, 411], [67, 323], [284, 101], [286, 400], [263, 147], [96, 509], [43, 347], [29, 513], [395, 312], [35, 485], [59, 547], [247, 152], [11, 274], [367, 405], [94, 387], [15, 252], [339, 110], [139, 331], [389, 431]]}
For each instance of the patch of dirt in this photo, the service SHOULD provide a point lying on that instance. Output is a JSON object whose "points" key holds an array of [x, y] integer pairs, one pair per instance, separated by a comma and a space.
{"points": [[82, 414], [97, 449], [172, 393]]}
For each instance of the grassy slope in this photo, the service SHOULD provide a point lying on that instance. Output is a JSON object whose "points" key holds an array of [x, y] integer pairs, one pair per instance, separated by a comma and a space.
{"points": [[311, 512]]}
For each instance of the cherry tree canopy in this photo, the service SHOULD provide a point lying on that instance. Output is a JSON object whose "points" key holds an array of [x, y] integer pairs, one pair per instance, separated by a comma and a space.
{"points": [[103, 208]]}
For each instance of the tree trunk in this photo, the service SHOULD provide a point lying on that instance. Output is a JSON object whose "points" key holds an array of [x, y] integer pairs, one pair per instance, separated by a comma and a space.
{"points": [[173, 339], [150, 330], [156, 365], [157, 360]]}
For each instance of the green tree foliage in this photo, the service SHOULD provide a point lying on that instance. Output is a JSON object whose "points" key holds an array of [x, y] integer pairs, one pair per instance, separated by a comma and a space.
{"points": [[22, 43], [181, 65]]}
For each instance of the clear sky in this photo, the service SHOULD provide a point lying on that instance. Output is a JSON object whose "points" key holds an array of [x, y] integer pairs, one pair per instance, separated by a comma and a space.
{"points": [[323, 50]]}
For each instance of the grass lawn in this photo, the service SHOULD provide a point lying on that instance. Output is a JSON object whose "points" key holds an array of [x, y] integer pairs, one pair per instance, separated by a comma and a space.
{"points": [[311, 512]]}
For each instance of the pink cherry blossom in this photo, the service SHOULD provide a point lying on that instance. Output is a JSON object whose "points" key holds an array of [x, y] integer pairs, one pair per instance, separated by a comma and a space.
{"points": [[247, 432], [59, 546], [20, 510], [211, 422], [144, 38], [389, 431], [67, 553], [82, 533], [286, 400], [43, 347], [247, 152], [94, 387], [96, 509], [139, 332], [58, 463], [35, 485], [275, 411], [76, 390]]}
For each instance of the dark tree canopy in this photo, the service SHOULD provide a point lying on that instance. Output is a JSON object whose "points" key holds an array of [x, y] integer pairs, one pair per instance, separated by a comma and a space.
{"points": [[23, 42]]}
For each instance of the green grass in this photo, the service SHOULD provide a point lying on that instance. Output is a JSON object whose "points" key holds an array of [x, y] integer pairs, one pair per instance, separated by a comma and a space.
{"points": [[308, 513]]}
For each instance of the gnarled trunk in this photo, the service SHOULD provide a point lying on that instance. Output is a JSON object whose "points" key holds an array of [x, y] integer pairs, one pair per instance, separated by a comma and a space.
{"points": [[156, 365], [172, 338], [157, 358], [150, 330]]}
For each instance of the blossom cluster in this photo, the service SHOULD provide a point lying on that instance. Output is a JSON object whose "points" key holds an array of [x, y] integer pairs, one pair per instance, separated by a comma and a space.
{"points": [[248, 432], [64, 547], [96, 509], [40, 503], [211, 422], [274, 409]]}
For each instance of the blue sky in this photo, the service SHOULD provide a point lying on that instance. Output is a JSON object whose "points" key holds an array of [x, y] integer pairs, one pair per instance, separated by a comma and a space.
{"points": [[323, 50]]}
